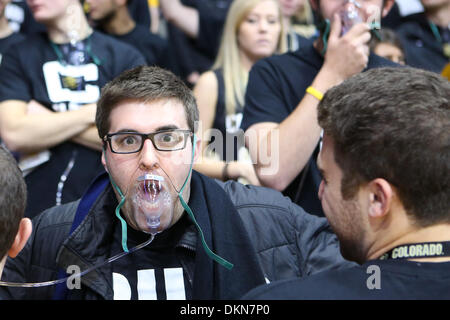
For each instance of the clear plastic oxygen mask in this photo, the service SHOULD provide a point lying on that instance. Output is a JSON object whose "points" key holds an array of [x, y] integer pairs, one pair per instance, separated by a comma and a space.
{"points": [[350, 16], [152, 200]]}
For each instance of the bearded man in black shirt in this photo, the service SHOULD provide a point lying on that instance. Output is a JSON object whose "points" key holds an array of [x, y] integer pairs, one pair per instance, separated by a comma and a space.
{"points": [[385, 188]]}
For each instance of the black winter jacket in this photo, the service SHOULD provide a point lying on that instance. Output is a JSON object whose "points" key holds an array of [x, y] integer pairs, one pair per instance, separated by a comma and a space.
{"points": [[289, 243]]}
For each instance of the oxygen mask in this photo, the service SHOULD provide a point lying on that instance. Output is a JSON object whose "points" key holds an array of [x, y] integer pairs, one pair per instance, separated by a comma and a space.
{"points": [[152, 203], [350, 16]]}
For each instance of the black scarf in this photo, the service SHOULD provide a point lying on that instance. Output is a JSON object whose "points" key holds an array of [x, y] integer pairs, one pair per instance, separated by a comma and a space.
{"points": [[226, 236]]}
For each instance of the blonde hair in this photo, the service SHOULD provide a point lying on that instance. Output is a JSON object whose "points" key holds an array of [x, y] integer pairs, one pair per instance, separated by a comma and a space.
{"points": [[235, 76]]}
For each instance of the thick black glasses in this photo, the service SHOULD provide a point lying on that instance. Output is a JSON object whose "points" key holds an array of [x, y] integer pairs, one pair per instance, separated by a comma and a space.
{"points": [[132, 142]]}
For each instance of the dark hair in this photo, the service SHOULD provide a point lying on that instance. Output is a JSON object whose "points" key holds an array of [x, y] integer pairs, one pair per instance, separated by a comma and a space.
{"points": [[386, 36], [394, 123], [13, 198], [145, 84]]}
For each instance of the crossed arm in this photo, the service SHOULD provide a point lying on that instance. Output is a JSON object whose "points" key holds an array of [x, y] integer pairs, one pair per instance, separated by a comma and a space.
{"points": [[30, 127]]}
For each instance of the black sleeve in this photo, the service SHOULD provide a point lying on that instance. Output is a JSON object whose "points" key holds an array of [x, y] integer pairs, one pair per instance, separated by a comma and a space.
{"points": [[211, 22], [264, 101], [13, 79]]}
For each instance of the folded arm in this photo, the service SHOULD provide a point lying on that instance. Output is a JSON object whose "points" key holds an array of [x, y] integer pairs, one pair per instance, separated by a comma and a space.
{"points": [[25, 132]]}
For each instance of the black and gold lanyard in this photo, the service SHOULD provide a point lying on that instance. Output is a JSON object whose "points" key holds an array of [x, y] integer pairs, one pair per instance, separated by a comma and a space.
{"points": [[437, 35], [418, 250]]}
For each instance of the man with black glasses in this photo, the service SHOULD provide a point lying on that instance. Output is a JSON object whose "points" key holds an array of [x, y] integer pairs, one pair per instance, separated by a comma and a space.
{"points": [[200, 239]]}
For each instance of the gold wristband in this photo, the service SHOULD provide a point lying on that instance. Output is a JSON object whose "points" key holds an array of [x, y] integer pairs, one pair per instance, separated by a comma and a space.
{"points": [[315, 93], [153, 3]]}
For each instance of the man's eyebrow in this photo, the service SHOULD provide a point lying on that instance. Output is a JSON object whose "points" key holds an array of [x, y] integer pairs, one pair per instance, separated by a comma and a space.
{"points": [[167, 127], [162, 128], [126, 130]]}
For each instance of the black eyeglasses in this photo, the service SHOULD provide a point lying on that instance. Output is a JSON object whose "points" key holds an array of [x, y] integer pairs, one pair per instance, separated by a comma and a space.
{"points": [[132, 142]]}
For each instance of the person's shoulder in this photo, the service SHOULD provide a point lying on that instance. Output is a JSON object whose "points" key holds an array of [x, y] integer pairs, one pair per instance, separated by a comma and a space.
{"points": [[412, 19], [332, 284], [104, 40], [290, 64], [278, 60], [250, 196], [33, 41], [207, 81], [116, 53], [141, 30], [16, 38], [412, 25], [57, 216], [375, 61]]}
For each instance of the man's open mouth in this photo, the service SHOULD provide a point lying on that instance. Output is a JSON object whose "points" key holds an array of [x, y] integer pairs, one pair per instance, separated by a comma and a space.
{"points": [[150, 187]]}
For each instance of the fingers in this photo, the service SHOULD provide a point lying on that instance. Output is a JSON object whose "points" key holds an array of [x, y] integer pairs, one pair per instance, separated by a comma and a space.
{"points": [[336, 27], [359, 32]]}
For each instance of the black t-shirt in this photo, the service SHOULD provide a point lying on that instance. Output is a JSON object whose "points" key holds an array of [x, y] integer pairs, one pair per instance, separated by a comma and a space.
{"points": [[228, 125], [422, 47], [152, 47], [380, 280], [153, 272], [31, 70], [8, 41], [275, 87]]}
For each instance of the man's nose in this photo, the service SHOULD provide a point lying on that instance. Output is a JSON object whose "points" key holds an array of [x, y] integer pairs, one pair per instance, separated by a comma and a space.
{"points": [[148, 156]]}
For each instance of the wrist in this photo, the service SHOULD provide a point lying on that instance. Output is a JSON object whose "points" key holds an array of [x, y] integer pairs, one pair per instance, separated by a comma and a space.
{"points": [[327, 78], [231, 171], [225, 175]]}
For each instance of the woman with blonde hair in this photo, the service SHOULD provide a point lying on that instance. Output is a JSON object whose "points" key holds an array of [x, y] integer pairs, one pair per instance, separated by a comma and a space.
{"points": [[253, 30]]}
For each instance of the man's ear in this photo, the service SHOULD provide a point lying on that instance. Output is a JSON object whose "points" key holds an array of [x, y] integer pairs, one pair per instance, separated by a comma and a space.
{"points": [[24, 232], [387, 7], [380, 193], [104, 160]]}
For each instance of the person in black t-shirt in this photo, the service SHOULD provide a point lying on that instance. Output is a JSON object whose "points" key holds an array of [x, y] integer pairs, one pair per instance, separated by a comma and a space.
{"points": [[49, 86], [385, 188], [114, 18], [426, 36], [280, 119]]}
